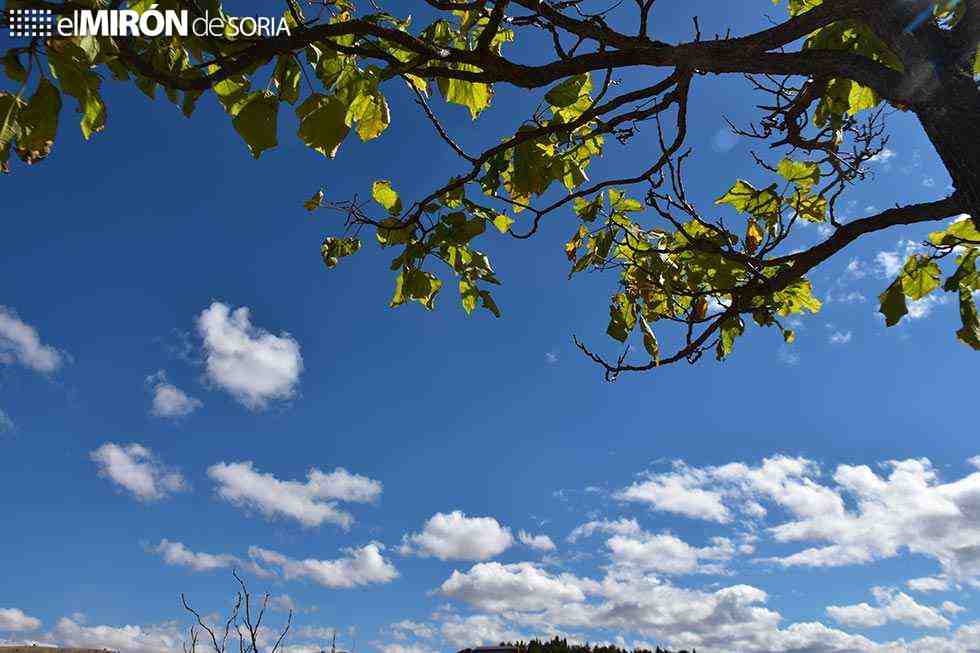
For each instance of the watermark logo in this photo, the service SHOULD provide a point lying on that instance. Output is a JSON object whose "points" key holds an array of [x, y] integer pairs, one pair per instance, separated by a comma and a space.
{"points": [[149, 23], [30, 22]]}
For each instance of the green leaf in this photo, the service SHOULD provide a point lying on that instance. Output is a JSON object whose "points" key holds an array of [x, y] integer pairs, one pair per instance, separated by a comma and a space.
{"points": [[965, 272], [322, 124], [468, 294], [919, 277], [417, 285], [288, 77], [730, 329], [10, 106], [502, 222], [532, 167], [370, 110], [314, 202], [812, 208], [620, 203], [622, 317], [386, 197], [797, 298], [746, 198], [587, 210], [892, 303], [970, 333], [83, 85], [39, 123], [570, 98], [475, 96], [334, 249], [650, 341], [256, 121], [802, 173], [393, 232], [960, 232]]}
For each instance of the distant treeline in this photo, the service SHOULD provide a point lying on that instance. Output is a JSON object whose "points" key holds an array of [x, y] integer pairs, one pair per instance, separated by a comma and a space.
{"points": [[560, 645]]}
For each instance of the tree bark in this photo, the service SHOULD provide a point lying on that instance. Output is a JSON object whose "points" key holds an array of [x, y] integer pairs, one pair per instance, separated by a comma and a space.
{"points": [[951, 118]]}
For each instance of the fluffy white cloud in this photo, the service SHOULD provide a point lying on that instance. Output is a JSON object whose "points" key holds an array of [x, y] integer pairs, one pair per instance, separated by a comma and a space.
{"points": [[134, 468], [716, 493], [668, 554], [679, 492], [496, 587], [454, 536], [15, 620], [20, 343], [361, 566], [310, 503], [922, 308], [175, 553], [523, 598], [929, 584], [539, 542], [952, 608], [168, 399], [124, 639], [893, 606], [406, 627], [622, 526], [397, 647], [909, 510], [255, 366], [478, 629]]}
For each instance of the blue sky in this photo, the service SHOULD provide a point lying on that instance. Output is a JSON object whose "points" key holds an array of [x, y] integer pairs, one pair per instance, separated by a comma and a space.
{"points": [[185, 390]]}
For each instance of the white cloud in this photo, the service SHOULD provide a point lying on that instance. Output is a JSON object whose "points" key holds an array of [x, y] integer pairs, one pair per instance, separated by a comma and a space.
{"points": [[856, 269], [551, 357], [255, 366], [840, 337], [538, 542], [14, 619], [125, 639], [6, 424], [893, 606], [310, 503], [715, 493], [175, 553], [19, 342], [406, 628], [855, 518], [397, 647], [922, 308], [134, 468], [667, 554], [952, 608], [678, 492], [929, 182], [477, 630], [168, 399], [889, 263], [621, 526], [884, 156], [523, 598], [454, 536], [361, 566], [929, 584], [495, 587]]}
